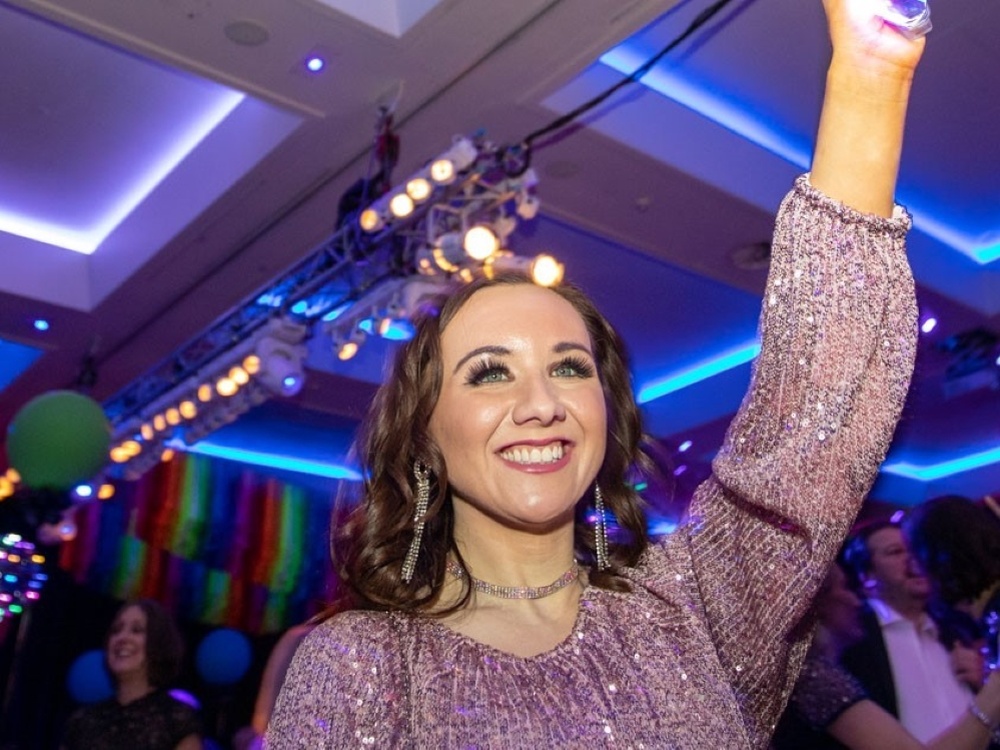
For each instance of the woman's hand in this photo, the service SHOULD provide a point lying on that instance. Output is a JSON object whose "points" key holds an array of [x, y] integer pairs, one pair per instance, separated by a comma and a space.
{"points": [[967, 664], [988, 698], [860, 135], [865, 41]]}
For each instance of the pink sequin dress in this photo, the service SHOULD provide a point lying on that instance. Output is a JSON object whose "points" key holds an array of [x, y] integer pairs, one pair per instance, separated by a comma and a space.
{"points": [[703, 653]]}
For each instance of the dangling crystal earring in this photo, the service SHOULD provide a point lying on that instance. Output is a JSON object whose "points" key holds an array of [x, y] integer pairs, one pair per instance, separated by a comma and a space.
{"points": [[423, 477], [600, 531]]}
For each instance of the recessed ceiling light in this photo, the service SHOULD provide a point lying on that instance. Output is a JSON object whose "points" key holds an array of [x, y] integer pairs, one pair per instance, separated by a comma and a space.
{"points": [[247, 33], [41, 324], [315, 64]]}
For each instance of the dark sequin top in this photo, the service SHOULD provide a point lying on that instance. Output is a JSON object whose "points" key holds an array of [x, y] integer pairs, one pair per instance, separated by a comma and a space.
{"points": [[154, 722]]}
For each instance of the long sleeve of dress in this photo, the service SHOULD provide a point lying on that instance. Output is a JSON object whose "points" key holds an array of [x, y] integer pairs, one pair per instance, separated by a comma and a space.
{"points": [[838, 332]]}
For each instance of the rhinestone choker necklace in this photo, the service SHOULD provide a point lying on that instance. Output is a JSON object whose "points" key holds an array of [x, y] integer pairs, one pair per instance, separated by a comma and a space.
{"points": [[516, 592]]}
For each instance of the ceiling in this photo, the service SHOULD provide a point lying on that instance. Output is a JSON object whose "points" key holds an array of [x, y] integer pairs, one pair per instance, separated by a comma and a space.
{"points": [[163, 162]]}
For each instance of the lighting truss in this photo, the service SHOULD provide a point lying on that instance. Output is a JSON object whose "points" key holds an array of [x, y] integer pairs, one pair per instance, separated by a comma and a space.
{"points": [[370, 277]]}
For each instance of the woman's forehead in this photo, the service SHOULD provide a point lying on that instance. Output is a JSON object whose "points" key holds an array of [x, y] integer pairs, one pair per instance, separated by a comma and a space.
{"points": [[518, 311]]}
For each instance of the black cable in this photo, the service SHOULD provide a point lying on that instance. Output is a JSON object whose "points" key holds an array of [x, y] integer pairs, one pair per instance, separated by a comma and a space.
{"points": [[704, 17]]}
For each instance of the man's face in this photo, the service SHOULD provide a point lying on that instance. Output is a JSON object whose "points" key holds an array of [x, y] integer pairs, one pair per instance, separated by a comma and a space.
{"points": [[894, 575]]}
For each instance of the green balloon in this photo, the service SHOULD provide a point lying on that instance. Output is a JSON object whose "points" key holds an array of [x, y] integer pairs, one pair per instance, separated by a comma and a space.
{"points": [[58, 440]]}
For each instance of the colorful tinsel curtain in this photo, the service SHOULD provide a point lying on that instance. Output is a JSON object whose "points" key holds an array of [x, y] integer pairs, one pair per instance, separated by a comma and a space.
{"points": [[213, 541]]}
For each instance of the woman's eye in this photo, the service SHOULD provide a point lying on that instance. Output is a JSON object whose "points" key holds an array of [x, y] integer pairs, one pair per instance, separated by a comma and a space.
{"points": [[573, 367], [487, 372]]}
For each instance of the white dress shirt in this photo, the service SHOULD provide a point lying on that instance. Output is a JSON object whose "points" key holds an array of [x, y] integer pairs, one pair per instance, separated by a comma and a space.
{"points": [[929, 696]]}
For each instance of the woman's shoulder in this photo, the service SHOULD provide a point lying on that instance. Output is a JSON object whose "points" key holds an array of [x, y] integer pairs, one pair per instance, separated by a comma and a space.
{"points": [[354, 635]]}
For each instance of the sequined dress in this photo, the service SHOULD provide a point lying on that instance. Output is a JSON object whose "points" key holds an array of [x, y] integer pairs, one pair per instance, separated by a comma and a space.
{"points": [[704, 651], [823, 692]]}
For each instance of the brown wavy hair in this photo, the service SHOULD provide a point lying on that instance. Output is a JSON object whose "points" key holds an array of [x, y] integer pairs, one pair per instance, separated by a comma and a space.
{"points": [[370, 547], [164, 645]]}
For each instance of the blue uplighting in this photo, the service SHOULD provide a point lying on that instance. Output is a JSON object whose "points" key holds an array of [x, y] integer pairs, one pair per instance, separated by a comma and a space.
{"points": [[271, 460], [709, 368], [931, 472], [14, 360], [733, 116], [85, 240], [337, 311], [398, 329], [741, 119]]}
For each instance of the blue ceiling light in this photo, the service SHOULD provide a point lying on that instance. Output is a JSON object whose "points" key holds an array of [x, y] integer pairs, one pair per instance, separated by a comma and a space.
{"points": [[86, 240], [41, 324], [315, 64], [272, 460], [84, 491], [928, 325], [684, 447], [930, 472], [735, 116], [702, 371], [337, 312]]}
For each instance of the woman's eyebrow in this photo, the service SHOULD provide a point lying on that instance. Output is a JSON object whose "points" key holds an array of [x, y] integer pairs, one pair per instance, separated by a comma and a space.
{"points": [[498, 350]]}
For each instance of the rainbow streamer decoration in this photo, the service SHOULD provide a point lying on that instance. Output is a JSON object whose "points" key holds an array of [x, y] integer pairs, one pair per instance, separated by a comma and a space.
{"points": [[211, 540]]}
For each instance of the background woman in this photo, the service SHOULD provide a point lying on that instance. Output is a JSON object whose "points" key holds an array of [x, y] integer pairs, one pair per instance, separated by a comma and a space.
{"points": [[143, 655]]}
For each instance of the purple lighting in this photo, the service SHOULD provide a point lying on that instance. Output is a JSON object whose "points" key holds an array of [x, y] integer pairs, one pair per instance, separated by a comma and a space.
{"points": [[315, 64], [928, 325]]}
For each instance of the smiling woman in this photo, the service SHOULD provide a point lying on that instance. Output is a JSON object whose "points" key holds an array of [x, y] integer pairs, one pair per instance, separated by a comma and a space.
{"points": [[489, 611], [143, 655]]}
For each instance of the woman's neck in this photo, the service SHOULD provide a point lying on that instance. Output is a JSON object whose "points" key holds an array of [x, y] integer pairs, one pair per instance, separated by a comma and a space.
{"points": [[132, 688], [512, 557]]}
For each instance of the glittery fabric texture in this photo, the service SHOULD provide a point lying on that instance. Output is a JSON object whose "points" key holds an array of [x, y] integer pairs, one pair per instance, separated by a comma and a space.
{"points": [[705, 650], [824, 691]]}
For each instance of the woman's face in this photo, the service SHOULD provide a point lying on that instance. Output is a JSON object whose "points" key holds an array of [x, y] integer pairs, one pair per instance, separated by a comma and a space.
{"points": [[521, 418], [127, 643]]}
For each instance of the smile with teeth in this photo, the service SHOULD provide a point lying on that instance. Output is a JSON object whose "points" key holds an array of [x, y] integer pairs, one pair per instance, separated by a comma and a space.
{"points": [[528, 455]]}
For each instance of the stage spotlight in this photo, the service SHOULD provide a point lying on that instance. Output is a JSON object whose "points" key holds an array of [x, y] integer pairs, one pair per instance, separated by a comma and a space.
{"points": [[188, 409], [527, 208], [281, 366], [546, 270], [443, 171], [480, 242], [371, 220], [225, 386], [239, 376], [401, 205], [173, 416], [419, 189]]}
